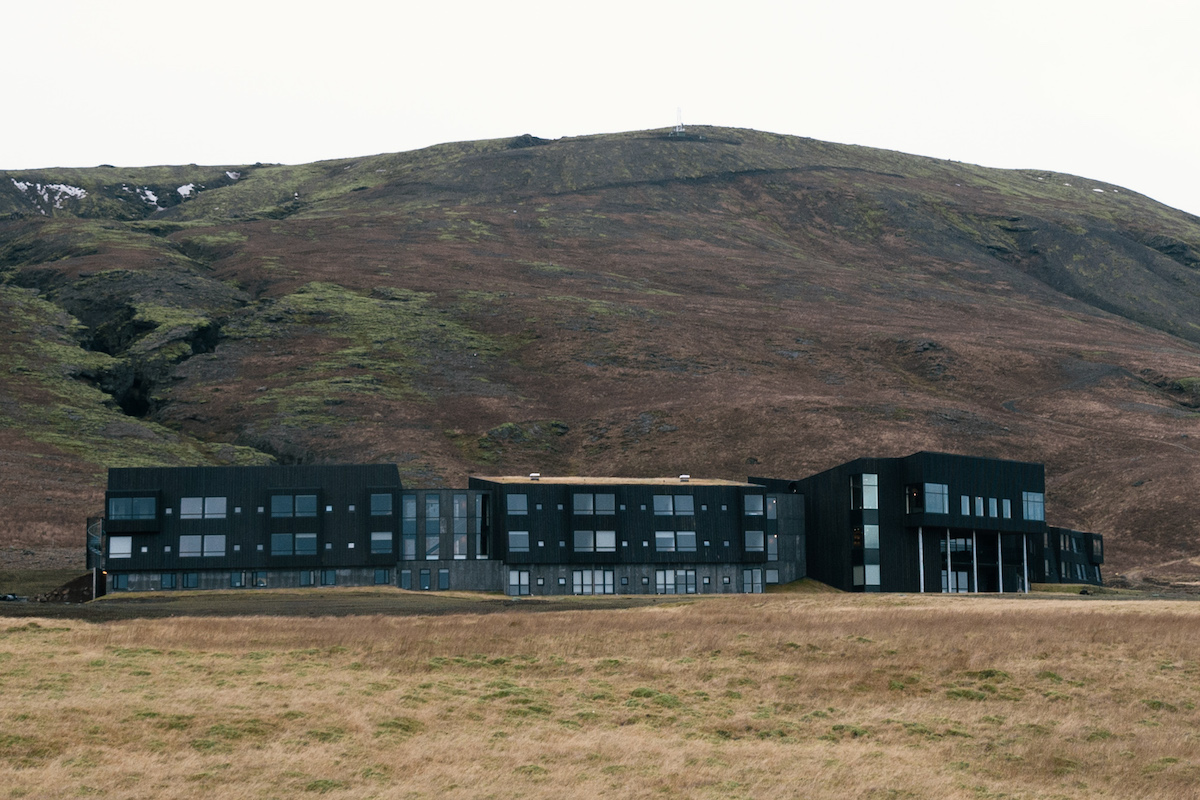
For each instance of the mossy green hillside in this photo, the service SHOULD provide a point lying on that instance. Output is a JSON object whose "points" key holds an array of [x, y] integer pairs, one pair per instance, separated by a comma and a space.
{"points": [[385, 345], [56, 401]]}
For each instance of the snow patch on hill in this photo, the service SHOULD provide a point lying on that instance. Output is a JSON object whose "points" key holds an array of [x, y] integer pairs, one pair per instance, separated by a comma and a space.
{"points": [[50, 195]]}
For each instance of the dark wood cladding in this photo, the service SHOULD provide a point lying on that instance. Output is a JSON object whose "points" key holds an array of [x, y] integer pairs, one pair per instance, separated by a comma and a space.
{"points": [[343, 535], [910, 538]]}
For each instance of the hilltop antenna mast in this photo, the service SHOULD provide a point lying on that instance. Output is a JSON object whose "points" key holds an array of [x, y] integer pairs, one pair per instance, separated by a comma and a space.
{"points": [[678, 121]]}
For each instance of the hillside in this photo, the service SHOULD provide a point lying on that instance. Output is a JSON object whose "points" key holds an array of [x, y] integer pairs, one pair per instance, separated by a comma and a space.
{"points": [[731, 303]]}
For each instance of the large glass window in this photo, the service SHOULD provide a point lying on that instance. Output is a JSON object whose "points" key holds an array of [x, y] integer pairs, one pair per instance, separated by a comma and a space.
{"points": [[993, 507], [675, 581], [306, 544], [383, 577], [517, 504], [191, 546], [191, 580], [281, 544], [773, 546], [937, 498], [1034, 506], [381, 542], [381, 505], [673, 541], [443, 579], [965, 510], [460, 545], [1006, 507], [595, 541], [754, 505], [864, 491], [131, 508], [583, 504], [752, 581], [408, 514], [287, 505], [518, 581], [755, 542], [663, 506], [518, 541], [477, 528], [167, 580], [214, 545], [120, 547], [202, 507], [592, 581], [606, 504]]}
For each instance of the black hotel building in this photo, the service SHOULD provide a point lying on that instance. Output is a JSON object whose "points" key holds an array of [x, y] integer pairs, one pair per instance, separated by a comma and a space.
{"points": [[929, 522]]}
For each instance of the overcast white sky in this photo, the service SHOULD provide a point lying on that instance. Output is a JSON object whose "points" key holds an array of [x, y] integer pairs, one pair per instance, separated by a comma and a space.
{"points": [[1104, 89]]}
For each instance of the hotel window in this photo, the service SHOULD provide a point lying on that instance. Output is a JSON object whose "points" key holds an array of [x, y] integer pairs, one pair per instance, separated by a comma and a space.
{"points": [[753, 505], [167, 581], [383, 577], [864, 491], [195, 546], [518, 581], [675, 581], [406, 579], [752, 582], [1006, 507], [300, 505], [258, 580], [928, 498], [381, 505], [674, 541], [202, 508], [477, 527], [443, 579], [993, 507], [237, 580], [755, 542], [329, 577], [1034, 506], [592, 581], [518, 541], [131, 508], [307, 578], [458, 508], [966, 505], [381, 542], [287, 544], [517, 504], [120, 582], [595, 541], [191, 580], [979, 506]]}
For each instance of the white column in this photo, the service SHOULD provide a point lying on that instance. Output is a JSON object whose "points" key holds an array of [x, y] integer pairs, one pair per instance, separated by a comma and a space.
{"points": [[975, 561], [1000, 561], [1025, 558], [921, 556], [949, 572]]}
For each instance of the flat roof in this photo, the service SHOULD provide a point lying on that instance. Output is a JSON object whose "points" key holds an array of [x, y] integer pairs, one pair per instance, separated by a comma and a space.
{"points": [[579, 480]]}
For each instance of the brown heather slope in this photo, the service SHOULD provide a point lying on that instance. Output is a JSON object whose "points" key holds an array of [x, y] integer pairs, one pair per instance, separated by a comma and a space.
{"points": [[619, 304]]}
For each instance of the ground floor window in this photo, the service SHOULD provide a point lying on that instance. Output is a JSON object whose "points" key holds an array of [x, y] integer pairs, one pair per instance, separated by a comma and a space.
{"points": [[167, 581], [120, 582], [306, 577], [518, 582], [191, 580], [383, 576], [328, 577], [406, 579], [592, 581], [258, 580], [237, 580], [955, 582], [752, 581], [443, 579], [425, 579], [675, 581]]}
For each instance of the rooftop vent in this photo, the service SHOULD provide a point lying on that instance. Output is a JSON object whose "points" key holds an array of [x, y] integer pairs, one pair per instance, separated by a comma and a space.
{"points": [[533, 476], [684, 478]]}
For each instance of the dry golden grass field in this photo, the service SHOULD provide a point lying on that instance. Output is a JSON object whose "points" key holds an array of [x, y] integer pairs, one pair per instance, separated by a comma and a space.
{"points": [[788, 695]]}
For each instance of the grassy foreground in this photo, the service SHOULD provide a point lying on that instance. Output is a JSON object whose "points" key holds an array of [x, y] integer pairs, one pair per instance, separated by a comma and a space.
{"points": [[836, 696]]}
